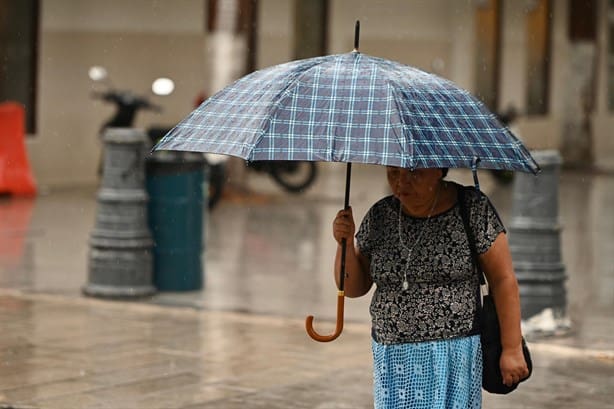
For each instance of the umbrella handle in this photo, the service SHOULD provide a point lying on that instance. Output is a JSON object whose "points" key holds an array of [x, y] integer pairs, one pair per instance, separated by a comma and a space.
{"points": [[327, 338], [341, 293]]}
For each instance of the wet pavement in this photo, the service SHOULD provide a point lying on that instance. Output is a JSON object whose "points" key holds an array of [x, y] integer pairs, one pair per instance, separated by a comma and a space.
{"points": [[240, 341]]}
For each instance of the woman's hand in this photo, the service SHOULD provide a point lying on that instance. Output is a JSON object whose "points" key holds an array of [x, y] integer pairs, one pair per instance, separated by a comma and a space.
{"points": [[343, 226], [497, 265], [513, 366], [357, 278]]}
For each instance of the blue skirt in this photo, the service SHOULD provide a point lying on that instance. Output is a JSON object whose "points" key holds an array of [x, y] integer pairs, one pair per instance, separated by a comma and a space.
{"points": [[444, 374]]}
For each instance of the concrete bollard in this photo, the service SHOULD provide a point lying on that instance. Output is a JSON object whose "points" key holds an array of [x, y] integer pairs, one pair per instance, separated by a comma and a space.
{"points": [[535, 240], [120, 256]]}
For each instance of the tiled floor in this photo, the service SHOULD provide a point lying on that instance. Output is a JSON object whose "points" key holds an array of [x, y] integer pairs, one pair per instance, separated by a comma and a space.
{"points": [[66, 353], [242, 343]]}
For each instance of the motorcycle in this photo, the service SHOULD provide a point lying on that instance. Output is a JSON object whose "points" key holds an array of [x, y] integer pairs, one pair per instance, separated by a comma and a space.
{"points": [[293, 176], [128, 104]]}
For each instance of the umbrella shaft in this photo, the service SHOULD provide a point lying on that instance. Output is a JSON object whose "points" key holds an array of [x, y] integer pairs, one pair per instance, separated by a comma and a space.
{"points": [[342, 269], [348, 178]]}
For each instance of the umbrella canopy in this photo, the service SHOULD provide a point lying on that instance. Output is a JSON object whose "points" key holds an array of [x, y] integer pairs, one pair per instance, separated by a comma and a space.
{"points": [[350, 108]]}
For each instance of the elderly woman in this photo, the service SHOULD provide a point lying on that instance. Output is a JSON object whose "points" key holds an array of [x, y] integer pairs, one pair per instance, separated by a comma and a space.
{"points": [[414, 247]]}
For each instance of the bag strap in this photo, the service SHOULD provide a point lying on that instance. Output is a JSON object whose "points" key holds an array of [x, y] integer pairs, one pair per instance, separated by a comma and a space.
{"points": [[462, 205]]}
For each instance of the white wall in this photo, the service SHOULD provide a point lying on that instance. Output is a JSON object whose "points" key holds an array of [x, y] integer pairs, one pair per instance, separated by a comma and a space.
{"points": [[418, 33], [132, 16], [139, 40], [275, 32]]}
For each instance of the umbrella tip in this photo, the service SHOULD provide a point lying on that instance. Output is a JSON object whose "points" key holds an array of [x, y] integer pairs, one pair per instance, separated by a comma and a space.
{"points": [[357, 35]]}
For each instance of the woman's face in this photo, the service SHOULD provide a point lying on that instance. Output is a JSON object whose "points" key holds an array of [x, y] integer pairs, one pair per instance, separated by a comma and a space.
{"points": [[413, 186]]}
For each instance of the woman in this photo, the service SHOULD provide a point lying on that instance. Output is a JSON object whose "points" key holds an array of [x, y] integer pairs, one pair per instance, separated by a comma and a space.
{"points": [[425, 336]]}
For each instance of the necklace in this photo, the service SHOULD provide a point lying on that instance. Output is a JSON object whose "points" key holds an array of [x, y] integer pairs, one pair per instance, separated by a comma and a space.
{"points": [[411, 250]]}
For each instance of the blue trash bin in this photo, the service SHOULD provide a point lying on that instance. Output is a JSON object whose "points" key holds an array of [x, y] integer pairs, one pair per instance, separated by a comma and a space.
{"points": [[176, 218]]}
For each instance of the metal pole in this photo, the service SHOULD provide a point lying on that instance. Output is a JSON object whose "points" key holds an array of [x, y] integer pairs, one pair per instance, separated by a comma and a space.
{"points": [[348, 177]]}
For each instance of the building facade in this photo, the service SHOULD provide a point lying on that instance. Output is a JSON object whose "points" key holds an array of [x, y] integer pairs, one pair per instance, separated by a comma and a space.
{"points": [[552, 61]]}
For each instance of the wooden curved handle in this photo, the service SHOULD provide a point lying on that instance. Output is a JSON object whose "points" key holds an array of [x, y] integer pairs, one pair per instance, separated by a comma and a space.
{"points": [[327, 338]]}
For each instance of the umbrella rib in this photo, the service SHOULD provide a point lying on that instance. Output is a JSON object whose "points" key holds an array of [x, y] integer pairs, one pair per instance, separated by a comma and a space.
{"points": [[441, 99], [285, 91], [402, 139], [312, 115], [369, 113], [332, 132], [348, 128]]}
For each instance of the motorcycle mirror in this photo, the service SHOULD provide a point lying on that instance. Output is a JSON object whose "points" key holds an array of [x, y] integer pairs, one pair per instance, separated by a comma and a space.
{"points": [[163, 86], [97, 73]]}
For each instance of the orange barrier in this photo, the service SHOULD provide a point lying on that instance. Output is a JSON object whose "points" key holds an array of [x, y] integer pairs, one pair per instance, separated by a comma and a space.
{"points": [[15, 175]]}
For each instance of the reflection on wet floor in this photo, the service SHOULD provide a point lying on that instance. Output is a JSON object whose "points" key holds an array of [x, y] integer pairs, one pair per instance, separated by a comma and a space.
{"points": [[16, 249], [274, 255], [272, 258]]}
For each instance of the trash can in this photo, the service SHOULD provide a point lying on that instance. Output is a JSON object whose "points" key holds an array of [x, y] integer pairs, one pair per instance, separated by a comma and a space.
{"points": [[176, 218]]}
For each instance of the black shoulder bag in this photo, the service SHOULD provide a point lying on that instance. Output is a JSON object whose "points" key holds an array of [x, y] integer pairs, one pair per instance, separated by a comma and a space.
{"points": [[492, 381]]}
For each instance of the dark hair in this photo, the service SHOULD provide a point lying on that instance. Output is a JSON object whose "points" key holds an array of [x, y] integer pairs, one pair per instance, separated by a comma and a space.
{"points": [[444, 172]]}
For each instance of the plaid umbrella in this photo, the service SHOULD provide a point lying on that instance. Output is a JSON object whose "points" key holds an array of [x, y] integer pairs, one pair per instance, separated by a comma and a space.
{"points": [[350, 108]]}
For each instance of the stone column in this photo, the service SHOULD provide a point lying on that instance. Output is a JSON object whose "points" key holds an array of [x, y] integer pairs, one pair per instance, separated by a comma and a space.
{"points": [[577, 133], [535, 239], [120, 256]]}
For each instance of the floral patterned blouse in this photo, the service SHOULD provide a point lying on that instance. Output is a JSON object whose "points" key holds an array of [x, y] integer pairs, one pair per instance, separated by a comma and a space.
{"points": [[443, 294]]}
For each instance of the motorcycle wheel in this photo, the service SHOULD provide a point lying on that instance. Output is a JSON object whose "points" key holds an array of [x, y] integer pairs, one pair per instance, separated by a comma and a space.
{"points": [[217, 175], [294, 176], [503, 177]]}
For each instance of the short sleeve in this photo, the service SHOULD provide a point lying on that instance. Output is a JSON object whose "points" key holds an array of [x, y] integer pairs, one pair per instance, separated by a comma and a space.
{"points": [[485, 221], [364, 235]]}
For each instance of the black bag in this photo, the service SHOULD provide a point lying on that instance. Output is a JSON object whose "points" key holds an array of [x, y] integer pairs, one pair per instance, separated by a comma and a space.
{"points": [[492, 381]]}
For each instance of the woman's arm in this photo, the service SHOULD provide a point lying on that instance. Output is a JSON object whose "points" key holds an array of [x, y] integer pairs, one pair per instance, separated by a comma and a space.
{"points": [[357, 279], [497, 266]]}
